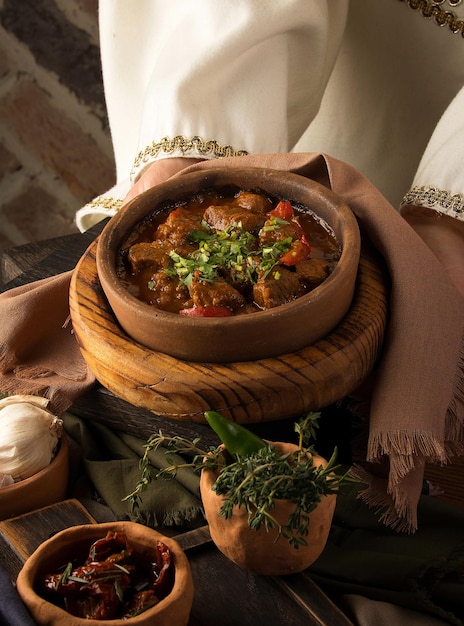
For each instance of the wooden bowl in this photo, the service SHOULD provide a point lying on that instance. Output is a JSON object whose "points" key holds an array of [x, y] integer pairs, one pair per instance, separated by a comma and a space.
{"points": [[283, 329], [41, 489], [74, 542]]}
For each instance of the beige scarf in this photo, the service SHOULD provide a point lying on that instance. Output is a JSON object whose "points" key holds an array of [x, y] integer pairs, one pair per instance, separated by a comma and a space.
{"points": [[417, 400]]}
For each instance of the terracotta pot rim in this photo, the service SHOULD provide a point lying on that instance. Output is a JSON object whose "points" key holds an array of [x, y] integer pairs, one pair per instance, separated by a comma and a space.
{"points": [[284, 446]]}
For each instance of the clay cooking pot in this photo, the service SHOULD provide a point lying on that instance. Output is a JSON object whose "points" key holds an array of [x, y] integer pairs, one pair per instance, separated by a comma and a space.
{"points": [[264, 334]]}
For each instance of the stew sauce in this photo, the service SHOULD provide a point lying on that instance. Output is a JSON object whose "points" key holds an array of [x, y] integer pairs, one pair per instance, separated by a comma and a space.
{"points": [[221, 255]]}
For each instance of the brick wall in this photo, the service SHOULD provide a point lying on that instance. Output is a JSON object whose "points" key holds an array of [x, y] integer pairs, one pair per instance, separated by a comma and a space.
{"points": [[55, 148]]}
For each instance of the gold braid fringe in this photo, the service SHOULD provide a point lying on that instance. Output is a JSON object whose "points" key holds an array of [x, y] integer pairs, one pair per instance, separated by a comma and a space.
{"points": [[442, 17], [182, 145], [440, 199], [104, 202]]}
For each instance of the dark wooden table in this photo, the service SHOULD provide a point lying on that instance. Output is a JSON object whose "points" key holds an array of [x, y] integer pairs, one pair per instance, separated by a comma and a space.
{"points": [[224, 593]]}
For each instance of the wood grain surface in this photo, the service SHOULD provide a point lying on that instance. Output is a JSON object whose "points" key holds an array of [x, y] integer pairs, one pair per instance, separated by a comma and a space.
{"points": [[247, 392], [224, 593], [21, 535]]}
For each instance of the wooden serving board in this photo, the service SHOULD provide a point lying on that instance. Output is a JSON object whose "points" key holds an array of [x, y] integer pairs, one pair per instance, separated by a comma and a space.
{"points": [[294, 599], [247, 392]]}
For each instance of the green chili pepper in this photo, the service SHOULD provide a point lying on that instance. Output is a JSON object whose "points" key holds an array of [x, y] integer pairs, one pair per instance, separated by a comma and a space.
{"points": [[236, 438]]}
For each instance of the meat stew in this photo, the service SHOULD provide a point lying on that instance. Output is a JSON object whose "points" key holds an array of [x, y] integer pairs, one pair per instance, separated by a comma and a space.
{"points": [[221, 253]]}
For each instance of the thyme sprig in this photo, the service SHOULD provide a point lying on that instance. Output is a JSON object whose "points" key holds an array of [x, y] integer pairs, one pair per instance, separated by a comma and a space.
{"points": [[255, 482], [196, 457]]}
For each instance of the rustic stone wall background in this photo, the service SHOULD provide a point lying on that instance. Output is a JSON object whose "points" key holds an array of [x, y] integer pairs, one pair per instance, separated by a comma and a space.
{"points": [[55, 147]]}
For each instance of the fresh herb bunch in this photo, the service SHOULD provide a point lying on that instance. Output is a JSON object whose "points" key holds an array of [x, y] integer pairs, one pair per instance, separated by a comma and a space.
{"points": [[257, 480], [234, 250]]}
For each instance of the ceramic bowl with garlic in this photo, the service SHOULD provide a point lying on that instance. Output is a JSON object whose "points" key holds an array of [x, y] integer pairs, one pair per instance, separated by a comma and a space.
{"points": [[33, 455]]}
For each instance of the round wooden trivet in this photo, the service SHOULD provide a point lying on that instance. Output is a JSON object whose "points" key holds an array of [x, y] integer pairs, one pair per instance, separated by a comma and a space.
{"points": [[247, 392]]}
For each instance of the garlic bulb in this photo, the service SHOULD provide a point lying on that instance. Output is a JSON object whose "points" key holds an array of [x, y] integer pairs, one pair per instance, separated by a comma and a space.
{"points": [[29, 434]]}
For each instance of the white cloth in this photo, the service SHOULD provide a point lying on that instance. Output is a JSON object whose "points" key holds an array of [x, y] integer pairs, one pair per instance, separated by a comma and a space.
{"points": [[365, 81], [439, 179], [184, 68], [395, 76]]}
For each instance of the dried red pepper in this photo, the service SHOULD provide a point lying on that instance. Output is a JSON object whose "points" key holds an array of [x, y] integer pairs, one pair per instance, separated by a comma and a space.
{"points": [[113, 582]]}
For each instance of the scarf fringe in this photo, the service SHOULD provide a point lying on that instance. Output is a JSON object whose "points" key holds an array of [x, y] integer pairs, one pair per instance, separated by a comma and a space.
{"points": [[406, 446], [170, 518], [399, 516], [76, 372], [60, 401], [454, 423], [178, 518], [408, 451], [26, 387], [8, 358], [27, 371]]}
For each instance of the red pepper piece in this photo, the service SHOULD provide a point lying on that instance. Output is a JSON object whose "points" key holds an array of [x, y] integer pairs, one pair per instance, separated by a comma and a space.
{"points": [[164, 560], [206, 311], [284, 210], [300, 250], [113, 543]]}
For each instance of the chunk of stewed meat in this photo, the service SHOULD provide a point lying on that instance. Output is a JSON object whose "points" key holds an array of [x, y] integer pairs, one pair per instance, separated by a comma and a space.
{"points": [[167, 293], [274, 230], [253, 202], [154, 254], [280, 286], [218, 293], [312, 272], [178, 226], [221, 217]]}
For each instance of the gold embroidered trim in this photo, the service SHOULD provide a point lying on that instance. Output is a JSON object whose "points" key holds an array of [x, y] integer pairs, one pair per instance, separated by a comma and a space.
{"points": [[452, 3], [441, 17], [183, 145], [451, 204], [104, 202]]}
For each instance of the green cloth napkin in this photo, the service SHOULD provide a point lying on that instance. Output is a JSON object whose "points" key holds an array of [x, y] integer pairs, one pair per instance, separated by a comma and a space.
{"points": [[422, 571], [111, 462]]}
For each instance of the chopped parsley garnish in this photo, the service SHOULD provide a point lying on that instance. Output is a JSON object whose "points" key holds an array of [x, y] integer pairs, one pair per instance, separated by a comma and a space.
{"points": [[233, 250]]}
